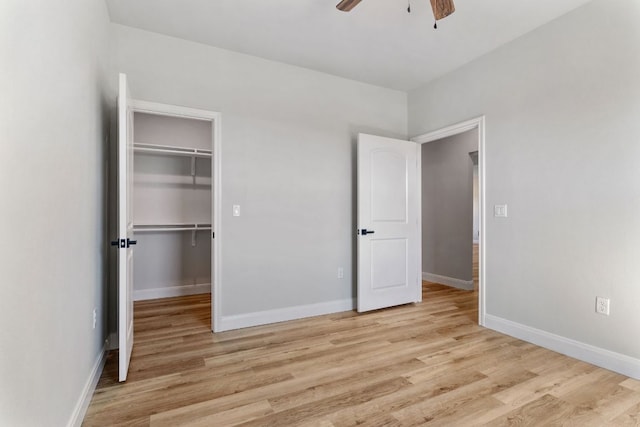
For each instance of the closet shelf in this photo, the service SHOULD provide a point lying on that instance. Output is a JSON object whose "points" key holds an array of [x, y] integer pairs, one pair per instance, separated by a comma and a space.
{"points": [[141, 228], [170, 150]]}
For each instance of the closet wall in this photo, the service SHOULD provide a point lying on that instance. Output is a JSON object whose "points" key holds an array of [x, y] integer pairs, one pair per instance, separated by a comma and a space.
{"points": [[172, 206]]}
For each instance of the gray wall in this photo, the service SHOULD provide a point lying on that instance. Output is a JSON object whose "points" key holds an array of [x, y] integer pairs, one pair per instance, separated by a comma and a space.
{"points": [[52, 169], [288, 138], [447, 206], [562, 108]]}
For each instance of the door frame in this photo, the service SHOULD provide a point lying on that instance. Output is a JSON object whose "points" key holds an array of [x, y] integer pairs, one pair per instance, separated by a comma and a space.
{"points": [[139, 106], [455, 129]]}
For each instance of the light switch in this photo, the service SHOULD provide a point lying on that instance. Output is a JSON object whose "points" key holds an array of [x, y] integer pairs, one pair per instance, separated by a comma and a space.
{"points": [[236, 210], [500, 211]]}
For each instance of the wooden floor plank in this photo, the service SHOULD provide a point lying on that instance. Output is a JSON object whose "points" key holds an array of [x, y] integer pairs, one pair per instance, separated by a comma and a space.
{"points": [[546, 410], [630, 417], [191, 417]]}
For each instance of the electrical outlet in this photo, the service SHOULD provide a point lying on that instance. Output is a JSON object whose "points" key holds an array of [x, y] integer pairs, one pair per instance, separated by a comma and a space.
{"points": [[95, 317], [340, 273], [602, 305]]}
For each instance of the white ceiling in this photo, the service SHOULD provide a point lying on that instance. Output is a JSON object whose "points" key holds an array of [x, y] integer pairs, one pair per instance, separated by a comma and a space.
{"points": [[378, 42]]}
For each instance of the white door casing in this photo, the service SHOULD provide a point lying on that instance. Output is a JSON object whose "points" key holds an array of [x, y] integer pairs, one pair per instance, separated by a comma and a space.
{"points": [[125, 228], [388, 206]]}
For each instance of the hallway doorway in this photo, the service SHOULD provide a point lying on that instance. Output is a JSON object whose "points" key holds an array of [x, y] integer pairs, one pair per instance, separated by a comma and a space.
{"points": [[452, 207]]}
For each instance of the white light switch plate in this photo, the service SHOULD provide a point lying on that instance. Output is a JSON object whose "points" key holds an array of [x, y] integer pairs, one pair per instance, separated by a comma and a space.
{"points": [[236, 210], [500, 211]]}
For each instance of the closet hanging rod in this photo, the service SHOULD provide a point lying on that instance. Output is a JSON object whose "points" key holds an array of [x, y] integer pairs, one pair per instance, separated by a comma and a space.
{"points": [[141, 228], [171, 150]]}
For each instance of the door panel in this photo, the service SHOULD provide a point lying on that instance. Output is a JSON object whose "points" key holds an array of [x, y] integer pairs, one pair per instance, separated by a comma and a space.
{"points": [[125, 228], [388, 211], [388, 174], [389, 267]]}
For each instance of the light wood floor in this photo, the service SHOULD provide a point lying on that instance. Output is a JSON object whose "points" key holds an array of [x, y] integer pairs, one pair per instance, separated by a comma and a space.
{"points": [[424, 364]]}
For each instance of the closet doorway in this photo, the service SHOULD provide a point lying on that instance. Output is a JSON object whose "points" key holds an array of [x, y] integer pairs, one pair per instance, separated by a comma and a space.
{"points": [[174, 201]]}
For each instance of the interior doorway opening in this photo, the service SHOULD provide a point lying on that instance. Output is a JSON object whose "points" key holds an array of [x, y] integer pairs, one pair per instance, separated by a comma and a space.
{"points": [[452, 207], [175, 168]]}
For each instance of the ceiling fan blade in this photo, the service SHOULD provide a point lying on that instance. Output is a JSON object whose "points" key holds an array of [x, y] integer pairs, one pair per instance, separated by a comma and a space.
{"points": [[442, 8], [347, 5]]}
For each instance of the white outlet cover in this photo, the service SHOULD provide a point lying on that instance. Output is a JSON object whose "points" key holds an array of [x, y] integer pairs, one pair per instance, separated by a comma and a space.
{"points": [[236, 210], [602, 305]]}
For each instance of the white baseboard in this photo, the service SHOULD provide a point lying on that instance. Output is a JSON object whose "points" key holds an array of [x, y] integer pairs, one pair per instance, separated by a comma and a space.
{"points": [[173, 291], [89, 387], [282, 315], [613, 361], [467, 285]]}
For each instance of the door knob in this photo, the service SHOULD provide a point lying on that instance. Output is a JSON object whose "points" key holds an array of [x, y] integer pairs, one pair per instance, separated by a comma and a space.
{"points": [[120, 243], [364, 232], [123, 243]]}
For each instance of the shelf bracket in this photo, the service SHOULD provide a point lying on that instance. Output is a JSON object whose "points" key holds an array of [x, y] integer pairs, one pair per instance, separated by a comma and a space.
{"points": [[193, 238], [193, 165]]}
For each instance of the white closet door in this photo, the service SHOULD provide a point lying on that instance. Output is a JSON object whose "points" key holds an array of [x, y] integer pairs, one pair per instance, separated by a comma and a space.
{"points": [[387, 222], [125, 228]]}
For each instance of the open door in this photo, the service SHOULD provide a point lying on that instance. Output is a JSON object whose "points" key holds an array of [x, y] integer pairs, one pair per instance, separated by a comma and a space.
{"points": [[388, 214], [125, 228]]}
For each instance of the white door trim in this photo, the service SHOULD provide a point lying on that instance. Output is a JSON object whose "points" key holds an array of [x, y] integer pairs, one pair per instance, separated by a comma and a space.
{"points": [[216, 199], [455, 129]]}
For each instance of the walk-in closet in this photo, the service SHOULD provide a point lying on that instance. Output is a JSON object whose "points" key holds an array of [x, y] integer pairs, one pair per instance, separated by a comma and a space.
{"points": [[172, 205]]}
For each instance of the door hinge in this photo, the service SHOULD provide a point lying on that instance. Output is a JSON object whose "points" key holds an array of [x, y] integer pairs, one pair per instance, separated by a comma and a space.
{"points": [[213, 235]]}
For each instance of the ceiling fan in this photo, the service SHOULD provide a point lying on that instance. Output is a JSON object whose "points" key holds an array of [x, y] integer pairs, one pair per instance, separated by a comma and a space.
{"points": [[441, 8]]}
